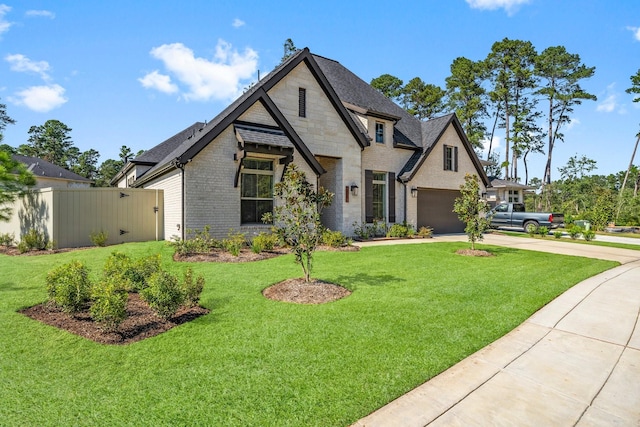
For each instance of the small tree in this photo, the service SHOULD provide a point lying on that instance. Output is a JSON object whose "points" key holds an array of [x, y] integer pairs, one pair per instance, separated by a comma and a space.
{"points": [[297, 219], [472, 210], [15, 179]]}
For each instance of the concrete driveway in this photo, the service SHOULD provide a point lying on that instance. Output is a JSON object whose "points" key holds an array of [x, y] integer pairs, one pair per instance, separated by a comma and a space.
{"points": [[574, 362]]}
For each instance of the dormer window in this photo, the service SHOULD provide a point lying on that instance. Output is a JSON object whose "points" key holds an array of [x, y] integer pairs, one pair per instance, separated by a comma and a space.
{"points": [[380, 132]]}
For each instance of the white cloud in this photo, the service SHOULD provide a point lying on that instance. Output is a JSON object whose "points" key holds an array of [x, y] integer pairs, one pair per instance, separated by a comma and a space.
{"points": [[42, 13], [510, 6], [635, 31], [572, 123], [237, 23], [41, 98], [610, 101], [4, 24], [495, 145], [21, 63], [217, 79], [157, 81]]}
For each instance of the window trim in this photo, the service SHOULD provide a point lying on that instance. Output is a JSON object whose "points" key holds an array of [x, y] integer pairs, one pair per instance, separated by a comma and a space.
{"points": [[450, 163]]}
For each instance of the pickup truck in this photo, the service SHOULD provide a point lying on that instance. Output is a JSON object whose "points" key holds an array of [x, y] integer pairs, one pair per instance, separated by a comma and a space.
{"points": [[514, 215]]}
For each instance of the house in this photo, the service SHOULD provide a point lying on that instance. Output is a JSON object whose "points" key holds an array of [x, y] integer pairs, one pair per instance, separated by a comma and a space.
{"points": [[506, 190], [49, 175], [380, 162]]}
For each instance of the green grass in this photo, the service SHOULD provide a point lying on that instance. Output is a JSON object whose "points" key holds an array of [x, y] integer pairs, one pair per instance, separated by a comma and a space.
{"points": [[581, 241], [415, 311]]}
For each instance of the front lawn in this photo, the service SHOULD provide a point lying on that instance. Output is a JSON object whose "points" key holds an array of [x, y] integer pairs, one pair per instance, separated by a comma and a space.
{"points": [[415, 310]]}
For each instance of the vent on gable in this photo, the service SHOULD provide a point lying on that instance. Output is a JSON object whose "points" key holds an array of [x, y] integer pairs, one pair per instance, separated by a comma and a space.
{"points": [[302, 102]]}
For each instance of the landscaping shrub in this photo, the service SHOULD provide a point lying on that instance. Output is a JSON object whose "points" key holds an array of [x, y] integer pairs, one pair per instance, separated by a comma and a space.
{"points": [[99, 238], [575, 231], [363, 231], [425, 232], [68, 286], [234, 242], [200, 242], [7, 239], [109, 306], [557, 234], [118, 267], [335, 239], [400, 230], [34, 239], [163, 294], [543, 231], [192, 289], [141, 270], [589, 235], [267, 241]]}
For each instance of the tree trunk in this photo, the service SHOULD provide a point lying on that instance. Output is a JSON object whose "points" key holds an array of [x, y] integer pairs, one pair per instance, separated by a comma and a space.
{"points": [[626, 175]]}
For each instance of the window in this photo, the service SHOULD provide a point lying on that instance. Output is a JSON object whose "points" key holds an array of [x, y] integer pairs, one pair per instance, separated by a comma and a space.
{"points": [[302, 102], [256, 190], [450, 158], [380, 132], [514, 195], [379, 195]]}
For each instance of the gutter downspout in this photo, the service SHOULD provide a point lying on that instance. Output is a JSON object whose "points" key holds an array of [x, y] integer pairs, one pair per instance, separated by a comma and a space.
{"points": [[180, 166], [404, 184]]}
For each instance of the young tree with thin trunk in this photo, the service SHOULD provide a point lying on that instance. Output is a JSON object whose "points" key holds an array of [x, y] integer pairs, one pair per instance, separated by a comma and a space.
{"points": [[472, 210], [634, 89], [297, 218], [561, 73]]}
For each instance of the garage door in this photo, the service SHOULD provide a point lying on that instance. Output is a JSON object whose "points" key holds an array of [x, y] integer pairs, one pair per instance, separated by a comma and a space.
{"points": [[435, 210]]}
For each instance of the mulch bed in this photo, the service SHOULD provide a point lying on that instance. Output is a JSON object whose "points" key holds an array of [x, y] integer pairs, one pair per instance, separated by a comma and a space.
{"points": [[141, 321], [246, 255], [300, 292], [13, 251], [473, 252]]}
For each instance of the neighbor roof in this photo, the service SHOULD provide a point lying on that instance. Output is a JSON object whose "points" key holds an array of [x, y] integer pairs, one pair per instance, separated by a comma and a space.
{"points": [[43, 168]]}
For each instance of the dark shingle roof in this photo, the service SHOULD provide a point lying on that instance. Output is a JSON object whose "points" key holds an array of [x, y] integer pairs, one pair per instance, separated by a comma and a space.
{"points": [[353, 90], [43, 168], [161, 150]]}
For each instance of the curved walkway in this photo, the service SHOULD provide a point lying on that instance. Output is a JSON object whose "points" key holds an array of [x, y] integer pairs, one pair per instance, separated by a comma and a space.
{"points": [[574, 362]]}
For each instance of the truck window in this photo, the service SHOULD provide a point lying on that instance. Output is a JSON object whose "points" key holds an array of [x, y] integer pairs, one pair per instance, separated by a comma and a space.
{"points": [[518, 207], [502, 208]]}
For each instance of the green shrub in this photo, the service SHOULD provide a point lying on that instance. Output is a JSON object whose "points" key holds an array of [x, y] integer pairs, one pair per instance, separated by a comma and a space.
{"points": [[363, 231], [532, 231], [192, 289], [141, 270], [109, 306], [557, 234], [335, 239], [163, 294], [34, 239], [234, 242], [267, 241], [99, 238], [200, 242], [7, 239], [425, 232], [400, 230], [575, 231], [543, 231], [68, 286], [118, 267], [589, 235]]}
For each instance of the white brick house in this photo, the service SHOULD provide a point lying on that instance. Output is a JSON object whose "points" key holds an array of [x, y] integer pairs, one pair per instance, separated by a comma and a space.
{"points": [[380, 162]]}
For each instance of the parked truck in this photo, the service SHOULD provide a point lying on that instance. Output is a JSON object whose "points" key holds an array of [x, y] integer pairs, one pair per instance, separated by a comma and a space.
{"points": [[514, 215]]}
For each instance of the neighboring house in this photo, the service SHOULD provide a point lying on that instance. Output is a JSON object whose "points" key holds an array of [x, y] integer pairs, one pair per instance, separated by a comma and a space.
{"points": [[505, 190], [380, 162], [49, 175]]}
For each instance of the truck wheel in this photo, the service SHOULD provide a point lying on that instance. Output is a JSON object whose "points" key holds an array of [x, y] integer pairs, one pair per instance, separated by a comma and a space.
{"points": [[530, 227]]}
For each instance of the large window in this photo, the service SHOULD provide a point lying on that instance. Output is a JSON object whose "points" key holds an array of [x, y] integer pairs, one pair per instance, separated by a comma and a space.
{"points": [[256, 190], [514, 195], [379, 195], [380, 132]]}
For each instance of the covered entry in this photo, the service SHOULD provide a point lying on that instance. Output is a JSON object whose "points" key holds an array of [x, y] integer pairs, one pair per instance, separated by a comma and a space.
{"points": [[435, 210]]}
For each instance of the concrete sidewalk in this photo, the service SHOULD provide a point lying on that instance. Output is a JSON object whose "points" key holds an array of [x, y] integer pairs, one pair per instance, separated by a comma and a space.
{"points": [[574, 362]]}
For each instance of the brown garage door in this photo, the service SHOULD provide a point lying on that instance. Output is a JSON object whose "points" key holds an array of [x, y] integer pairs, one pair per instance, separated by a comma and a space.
{"points": [[435, 209]]}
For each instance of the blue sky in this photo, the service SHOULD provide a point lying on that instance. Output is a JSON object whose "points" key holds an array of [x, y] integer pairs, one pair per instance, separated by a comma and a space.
{"points": [[136, 72]]}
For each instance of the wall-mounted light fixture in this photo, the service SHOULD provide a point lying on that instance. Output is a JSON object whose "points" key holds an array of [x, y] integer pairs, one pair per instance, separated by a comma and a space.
{"points": [[354, 189], [414, 192]]}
